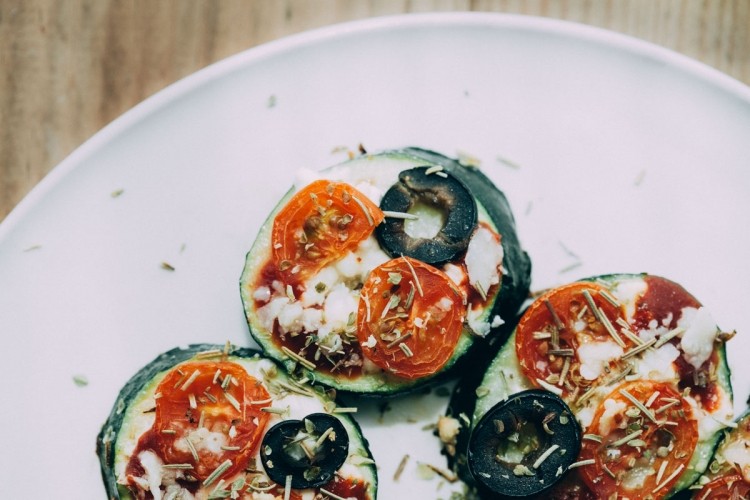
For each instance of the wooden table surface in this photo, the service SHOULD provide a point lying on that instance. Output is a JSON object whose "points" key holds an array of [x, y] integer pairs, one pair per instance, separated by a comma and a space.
{"points": [[67, 68]]}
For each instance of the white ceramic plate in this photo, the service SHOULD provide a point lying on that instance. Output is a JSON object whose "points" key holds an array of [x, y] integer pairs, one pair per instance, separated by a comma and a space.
{"points": [[625, 158]]}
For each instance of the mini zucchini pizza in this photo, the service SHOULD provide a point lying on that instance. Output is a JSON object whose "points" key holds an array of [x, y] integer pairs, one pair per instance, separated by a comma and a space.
{"points": [[379, 274], [728, 476], [205, 422], [637, 390]]}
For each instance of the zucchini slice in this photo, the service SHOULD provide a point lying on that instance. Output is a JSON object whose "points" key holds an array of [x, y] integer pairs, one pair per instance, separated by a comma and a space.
{"points": [[728, 476], [305, 288], [194, 421], [646, 376]]}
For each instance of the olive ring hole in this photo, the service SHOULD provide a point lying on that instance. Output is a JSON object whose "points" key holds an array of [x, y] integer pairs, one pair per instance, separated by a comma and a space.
{"points": [[446, 216], [523, 446]]}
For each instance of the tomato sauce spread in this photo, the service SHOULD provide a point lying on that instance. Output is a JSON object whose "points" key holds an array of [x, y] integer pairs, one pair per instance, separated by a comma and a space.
{"points": [[663, 299], [663, 302]]}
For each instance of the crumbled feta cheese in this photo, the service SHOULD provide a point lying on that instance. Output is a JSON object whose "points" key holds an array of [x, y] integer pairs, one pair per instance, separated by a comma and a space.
{"points": [[203, 439], [736, 453], [484, 258], [318, 286], [340, 303], [594, 356], [700, 333], [657, 364], [476, 323], [455, 273], [178, 493], [445, 304], [627, 292], [585, 416], [448, 429], [262, 294], [269, 312], [152, 472], [612, 407], [333, 287], [348, 267], [312, 319], [635, 478], [497, 321], [290, 317]]}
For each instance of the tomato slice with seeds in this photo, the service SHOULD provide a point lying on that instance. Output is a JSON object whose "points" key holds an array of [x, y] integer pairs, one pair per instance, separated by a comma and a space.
{"points": [[410, 317], [319, 225], [564, 315], [640, 455], [731, 487], [212, 411]]}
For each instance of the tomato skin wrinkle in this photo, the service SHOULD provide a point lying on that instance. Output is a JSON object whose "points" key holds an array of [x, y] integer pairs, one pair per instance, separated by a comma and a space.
{"points": [[209, 400], [566, 306], [423, 313], [634, 448], [319, 225]]}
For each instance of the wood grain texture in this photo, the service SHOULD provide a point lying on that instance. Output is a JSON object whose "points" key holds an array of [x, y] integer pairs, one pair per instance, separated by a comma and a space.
{"points": [[67, 68]]}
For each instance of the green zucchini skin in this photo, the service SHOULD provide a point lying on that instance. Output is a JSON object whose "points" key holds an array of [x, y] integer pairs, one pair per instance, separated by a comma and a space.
{"points": [[512, 292], [722, 466], [467, 407], [517, 278], [116, 422]]}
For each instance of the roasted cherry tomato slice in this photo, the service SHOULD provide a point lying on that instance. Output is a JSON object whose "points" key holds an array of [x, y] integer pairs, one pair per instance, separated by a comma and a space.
{"points": [[319, 225], [410, 317], [641, 455], [209, 413], [557, 326], [725, 488]]}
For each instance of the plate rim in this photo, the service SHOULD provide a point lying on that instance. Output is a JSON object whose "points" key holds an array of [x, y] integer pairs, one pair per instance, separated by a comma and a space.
{"points": [[246, 57]]}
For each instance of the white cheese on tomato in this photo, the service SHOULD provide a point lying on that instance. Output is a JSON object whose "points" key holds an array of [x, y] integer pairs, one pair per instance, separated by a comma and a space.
{"points": [[612, 407], [595, 356], [203, 439]]}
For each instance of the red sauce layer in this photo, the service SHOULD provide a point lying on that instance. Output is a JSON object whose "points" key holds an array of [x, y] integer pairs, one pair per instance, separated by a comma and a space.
{"points": [[662, 299]]}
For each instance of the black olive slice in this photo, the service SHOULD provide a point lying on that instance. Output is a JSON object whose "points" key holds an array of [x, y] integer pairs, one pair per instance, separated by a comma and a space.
{"points": [[523, 445], [310, 450], [440, 190]]}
